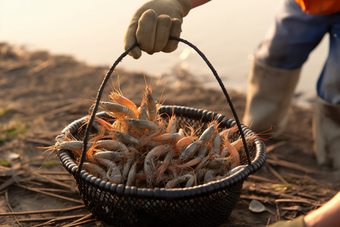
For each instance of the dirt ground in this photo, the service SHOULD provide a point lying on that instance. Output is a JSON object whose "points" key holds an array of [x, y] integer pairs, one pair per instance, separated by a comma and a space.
{"points": [[41, 93]]}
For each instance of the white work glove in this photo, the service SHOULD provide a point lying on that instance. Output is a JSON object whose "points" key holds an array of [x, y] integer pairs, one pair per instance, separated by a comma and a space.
{"points": [[153, 23]]}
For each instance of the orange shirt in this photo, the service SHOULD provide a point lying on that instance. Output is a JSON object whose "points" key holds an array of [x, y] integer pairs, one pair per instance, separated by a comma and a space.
{"points": [[323, 7]]}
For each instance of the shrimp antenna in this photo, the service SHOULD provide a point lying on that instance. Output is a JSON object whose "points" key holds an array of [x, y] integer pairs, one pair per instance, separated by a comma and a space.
{"points": [[53, 148]]}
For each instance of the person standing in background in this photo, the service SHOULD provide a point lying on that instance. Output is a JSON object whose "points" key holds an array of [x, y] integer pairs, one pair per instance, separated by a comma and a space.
{"points": [[298, 28]]}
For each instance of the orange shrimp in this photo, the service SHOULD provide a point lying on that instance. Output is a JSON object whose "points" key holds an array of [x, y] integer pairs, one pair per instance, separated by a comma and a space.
{"points": [[165, 164], [229, 134], [168, 137], [89, 153], [117, 96], [115, 109], [233, 153], [120, 99], [100, 125], [185, 141], [172, 125]]}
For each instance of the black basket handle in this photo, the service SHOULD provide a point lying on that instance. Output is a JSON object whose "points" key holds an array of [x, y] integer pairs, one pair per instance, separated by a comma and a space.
{"points": [[119, 59]]}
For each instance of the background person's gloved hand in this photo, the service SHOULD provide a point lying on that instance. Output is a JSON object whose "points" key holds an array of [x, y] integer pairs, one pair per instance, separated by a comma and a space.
{"points": [[153, 23]]}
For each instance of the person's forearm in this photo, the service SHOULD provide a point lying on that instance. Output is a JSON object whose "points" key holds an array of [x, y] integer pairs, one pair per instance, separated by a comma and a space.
{"points": [[195, 3], [327, 215]]}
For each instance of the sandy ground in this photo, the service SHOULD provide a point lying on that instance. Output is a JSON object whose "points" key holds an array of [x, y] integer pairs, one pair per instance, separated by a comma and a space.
{"points": [[41, 93]]}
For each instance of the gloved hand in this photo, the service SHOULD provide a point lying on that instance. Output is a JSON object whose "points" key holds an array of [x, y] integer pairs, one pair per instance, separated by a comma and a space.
{"points": [[153, 23]]}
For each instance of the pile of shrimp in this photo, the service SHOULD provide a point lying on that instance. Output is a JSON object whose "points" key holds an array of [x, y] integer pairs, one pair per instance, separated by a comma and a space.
{"points": [[143, 149]]}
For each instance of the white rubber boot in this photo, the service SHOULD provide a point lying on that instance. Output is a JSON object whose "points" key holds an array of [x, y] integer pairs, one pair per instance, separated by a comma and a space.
{"points": [[326, 133], [269, 95]]}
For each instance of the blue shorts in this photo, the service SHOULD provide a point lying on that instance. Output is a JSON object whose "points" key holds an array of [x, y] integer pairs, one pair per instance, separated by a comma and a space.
{"points": [[294, 35]]}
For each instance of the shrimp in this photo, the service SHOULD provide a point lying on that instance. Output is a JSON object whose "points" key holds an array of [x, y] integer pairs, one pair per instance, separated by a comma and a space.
{"points": [[147, 139], [104, 123], [95, 170], [239, 148], [202, 153], [117, 96], [99, 125], [130, 160], [208, 133], [215, 148], [172, 126], [113, 173], [150, 104], [148, 169], [75, 146], [190, 150], [165, 164], [178, 180], [121, 100], [233, 153], [132, 175], [115, 108], [183, 143], [219, 163], [225, 152], [125, 138], [209, 175], [141, 124], [112, 155], [191, 182], [142, 110], [229, 134], [112, 145], [168, 137], [148, 162], [205, 161]]}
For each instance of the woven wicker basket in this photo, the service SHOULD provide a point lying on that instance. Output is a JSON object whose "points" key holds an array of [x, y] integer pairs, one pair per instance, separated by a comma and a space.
{"points": [[204, 205]]}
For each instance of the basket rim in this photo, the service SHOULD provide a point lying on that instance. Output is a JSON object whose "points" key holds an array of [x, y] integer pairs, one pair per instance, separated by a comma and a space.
{"points": [[239, 173]]}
